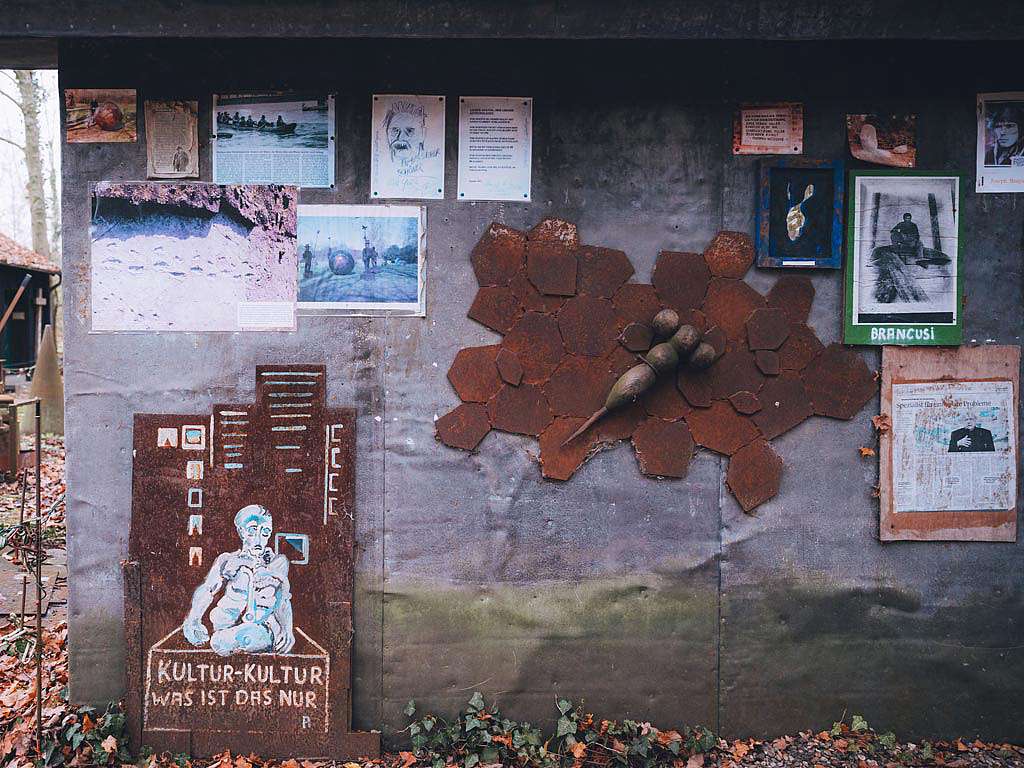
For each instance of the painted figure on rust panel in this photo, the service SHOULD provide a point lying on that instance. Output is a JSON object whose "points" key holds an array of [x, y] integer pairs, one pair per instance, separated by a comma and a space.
{"points": [[255, 611]]}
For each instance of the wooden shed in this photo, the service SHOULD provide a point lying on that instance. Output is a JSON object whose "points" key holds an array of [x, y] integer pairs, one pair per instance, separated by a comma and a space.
{"points": [[19, 340]]}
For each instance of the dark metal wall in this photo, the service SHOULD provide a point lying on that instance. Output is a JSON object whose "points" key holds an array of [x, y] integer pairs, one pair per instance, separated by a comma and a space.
{"points": [[657, 600]]}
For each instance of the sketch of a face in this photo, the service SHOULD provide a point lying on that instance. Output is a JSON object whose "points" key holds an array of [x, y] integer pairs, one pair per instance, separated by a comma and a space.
{"points": [[406, 135], [255, 533]]}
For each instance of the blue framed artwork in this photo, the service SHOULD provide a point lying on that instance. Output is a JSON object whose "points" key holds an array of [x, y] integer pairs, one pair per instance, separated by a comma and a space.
{"points": [[800, 214]]}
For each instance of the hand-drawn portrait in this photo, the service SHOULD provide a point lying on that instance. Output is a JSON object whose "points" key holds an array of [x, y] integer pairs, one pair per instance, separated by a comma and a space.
{"points": [[254, 609], [407, 153]]}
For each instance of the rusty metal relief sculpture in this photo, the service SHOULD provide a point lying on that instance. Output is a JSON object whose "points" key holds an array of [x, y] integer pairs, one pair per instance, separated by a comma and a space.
{"points": [[749, 367], [238, 586]]}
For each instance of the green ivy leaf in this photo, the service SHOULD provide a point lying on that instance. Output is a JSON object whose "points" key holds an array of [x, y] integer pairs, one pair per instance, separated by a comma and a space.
{"points": [[472, 759], [565, 727], [472, 722], [564, 706], [859, 724], [476, 703], [427, 722], [410, 708]]}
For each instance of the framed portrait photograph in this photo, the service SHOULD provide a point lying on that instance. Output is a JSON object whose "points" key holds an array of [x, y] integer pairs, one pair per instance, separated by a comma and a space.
{"points": [[1000, 153], [903, 280], [362, 260], [800, 215]]}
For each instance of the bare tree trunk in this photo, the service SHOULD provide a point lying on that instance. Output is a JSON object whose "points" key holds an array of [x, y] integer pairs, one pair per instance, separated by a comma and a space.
{"points": [[31, 94], [54, 207]]}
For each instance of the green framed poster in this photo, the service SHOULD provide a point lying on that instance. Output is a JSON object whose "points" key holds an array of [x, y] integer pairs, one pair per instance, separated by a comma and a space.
{"points": [[903, 276]]}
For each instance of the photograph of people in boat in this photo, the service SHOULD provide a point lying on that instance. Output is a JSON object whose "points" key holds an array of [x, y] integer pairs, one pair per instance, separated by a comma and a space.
{"points": [[263, 122], [906, 249]]}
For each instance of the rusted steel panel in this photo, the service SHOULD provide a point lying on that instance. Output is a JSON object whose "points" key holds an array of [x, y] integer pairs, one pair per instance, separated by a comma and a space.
{"points": [[799, 348], [558, 461], [601, 271], [523, 410], [838, 382], [720, 428], [681, 280], [636, 303], [794, 294], [588, 326], [497, 308], [537, 342], [768, 362], [464, 427], [663, 448], [551, 267], [729, 303], [509, 367], [784, 404], [767, 329], [499, 255], [746, 403], [474, 374], [578, 386], [755, 471], [637, 337], [242, 528], [730, 254]]}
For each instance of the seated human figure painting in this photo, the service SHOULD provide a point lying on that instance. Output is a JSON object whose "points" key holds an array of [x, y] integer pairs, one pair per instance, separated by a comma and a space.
{"points": [[254, 612]]}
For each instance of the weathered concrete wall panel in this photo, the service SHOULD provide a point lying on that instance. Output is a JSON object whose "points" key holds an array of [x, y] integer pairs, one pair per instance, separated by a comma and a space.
{"points": [[651, 599]]}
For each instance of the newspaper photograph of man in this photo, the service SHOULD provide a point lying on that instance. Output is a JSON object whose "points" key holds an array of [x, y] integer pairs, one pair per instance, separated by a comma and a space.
{"points": [[974, 439]]}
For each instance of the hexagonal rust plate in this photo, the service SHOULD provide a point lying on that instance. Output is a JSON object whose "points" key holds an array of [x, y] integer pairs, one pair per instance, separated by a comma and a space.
{"points": [[637, 337], [663, 448], [768, 362], [601, 271], [720, 429], [551, 267], [578, 386], [730, 254], [523, 410], [735, 371], [799, 349], [680, 279], [474, 373], [532, 299], [535, 383], [794, 295], [729, 303], [509, 367], [666, 401], [755, 472], [498, 255], [636, 303], [496, 307], [784, 404], [588, 326], [537, 342], [560, 462], [463, 427], [745, 402], [838, 382], [767, 329]]}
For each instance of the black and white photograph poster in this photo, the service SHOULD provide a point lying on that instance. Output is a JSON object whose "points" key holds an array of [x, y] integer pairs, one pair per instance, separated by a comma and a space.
{"points": [[407, 147], [495, 147], [903, 283], [273, 138], [1000, 142]]}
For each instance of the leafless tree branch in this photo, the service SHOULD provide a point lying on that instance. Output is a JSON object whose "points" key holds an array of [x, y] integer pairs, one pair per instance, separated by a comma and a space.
{"points": [[12, 143]]}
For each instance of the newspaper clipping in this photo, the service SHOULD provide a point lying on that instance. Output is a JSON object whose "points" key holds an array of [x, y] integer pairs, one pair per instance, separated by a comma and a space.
{"points": [[495, 147], [769, 129], [1000, 153], [407, 151], [172, 139], [274, 138], [954, 446]]}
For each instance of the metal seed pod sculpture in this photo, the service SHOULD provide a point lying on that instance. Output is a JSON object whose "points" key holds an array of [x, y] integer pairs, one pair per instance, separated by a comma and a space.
{"points": [[684, 343]]}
